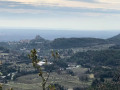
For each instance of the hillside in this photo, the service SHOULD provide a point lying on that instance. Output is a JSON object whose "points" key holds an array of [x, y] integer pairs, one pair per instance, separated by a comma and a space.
{"points": [[79, 58], [115, 39], [108, 57], [60, 43], [63, 43], [38, 42], [103, 64]]}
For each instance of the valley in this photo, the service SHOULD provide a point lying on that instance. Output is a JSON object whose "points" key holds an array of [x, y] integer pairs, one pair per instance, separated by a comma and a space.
{"points": [[81, 62]]}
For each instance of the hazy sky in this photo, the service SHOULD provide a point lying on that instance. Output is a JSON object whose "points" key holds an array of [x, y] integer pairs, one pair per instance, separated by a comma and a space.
{"points": [[60, 14]]}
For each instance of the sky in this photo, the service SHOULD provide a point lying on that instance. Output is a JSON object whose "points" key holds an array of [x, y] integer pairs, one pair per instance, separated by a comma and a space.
{"points": [[60, 14]]}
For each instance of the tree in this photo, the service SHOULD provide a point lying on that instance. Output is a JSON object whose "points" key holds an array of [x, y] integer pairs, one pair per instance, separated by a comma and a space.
{"points": [[0, 86], [33, 56]]}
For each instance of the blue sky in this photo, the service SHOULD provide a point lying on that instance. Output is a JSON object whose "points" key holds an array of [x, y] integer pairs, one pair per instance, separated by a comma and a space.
{"points": [[60, 14]]}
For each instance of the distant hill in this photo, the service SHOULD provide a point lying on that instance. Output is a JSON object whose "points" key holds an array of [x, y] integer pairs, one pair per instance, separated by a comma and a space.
{"points": [[37, 42], [104, 57], [59, 43], [38, 38], [115, 39], [62, 43]]}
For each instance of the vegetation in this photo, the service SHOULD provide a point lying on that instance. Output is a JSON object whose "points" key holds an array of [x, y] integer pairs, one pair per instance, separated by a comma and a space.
{"points": [[4, 50], [104, 57], [63, 43], [83, 64], [115, 39], [105, 85], [102, 63], [33, 56], [35, 60]]}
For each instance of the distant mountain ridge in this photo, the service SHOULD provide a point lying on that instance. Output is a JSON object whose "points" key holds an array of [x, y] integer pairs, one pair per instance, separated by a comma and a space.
{"points": [[115, 39], [62, 43], [38, 39]]}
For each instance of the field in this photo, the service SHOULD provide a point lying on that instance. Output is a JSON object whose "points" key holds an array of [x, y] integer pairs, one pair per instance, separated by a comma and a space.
{"points": [[32, 81]]}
